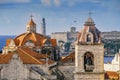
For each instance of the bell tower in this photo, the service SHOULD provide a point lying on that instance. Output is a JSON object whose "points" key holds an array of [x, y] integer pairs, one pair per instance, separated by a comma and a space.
{"points": [[89, 53], [31, 26]]}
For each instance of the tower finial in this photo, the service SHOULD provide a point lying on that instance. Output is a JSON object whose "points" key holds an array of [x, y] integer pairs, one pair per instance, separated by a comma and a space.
{"points": [[31, 16], [90, 13]]}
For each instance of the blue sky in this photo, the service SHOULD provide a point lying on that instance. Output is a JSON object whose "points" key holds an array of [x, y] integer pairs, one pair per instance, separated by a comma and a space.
{"points": [[59, 14]]}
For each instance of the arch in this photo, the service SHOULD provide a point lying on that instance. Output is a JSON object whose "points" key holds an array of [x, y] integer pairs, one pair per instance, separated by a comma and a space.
{"points": [[89, 37], [88, 61]]}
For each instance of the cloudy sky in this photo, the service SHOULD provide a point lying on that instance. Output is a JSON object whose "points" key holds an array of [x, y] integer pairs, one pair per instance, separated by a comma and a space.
{"points": [[60, 15]]}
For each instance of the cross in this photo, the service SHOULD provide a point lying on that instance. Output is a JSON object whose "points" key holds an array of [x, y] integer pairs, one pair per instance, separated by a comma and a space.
{"points": [[31, 16], [90, 13]]}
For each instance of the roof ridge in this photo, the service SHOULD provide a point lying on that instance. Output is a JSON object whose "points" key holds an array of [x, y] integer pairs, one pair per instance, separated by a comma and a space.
{"points": [[32, 57]]}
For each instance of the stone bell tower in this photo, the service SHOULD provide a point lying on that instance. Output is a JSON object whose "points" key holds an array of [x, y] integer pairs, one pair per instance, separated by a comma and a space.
{"points": [[31, 26], [89, 53]]}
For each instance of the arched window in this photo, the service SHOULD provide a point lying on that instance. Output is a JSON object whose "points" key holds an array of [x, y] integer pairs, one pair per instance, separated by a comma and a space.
{"points": [[29, 43], [88, 38], [88, 62]]}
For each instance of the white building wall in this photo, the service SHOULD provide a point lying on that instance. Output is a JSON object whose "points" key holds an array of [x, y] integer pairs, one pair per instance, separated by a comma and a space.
{"points": [[114, 65], [111, 67], [59, 36]]}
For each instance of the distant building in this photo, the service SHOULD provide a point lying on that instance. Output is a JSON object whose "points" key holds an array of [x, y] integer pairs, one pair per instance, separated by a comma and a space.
{"points": [[113, 35], [66, 40], [69, 36], [111, 41], [43, 27], [114, 65]]}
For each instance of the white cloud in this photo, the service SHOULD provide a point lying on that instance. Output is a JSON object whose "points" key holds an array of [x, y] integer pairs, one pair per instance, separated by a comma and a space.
{"points": [[51, 2], [73, 2], [14, 1], [57, 2], [46, 2]]}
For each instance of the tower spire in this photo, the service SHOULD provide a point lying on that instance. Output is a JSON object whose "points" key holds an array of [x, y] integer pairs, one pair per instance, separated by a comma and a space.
{"points": [[90, 13], [31, 27]]}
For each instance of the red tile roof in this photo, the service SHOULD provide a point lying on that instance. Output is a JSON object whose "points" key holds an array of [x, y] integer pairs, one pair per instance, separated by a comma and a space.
{"points": [[36, 38], [4, 58], [111, 75], [69, 58], [27, 58], [26, 55], [31, 22]]}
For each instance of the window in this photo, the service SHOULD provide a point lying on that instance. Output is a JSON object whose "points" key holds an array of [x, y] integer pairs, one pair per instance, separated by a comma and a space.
{"points": [[88, 62]]}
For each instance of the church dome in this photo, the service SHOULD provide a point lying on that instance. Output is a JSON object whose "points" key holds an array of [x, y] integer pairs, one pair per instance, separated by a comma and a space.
{"points": [[33, 40]]}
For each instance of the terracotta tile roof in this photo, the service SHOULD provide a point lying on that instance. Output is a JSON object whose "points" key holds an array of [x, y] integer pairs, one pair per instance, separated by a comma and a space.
{"points": [[36, 38], [69, 58], [111, 75], [27, 58], [5, 58], [34, 54], [91, 29], [8, 42]]}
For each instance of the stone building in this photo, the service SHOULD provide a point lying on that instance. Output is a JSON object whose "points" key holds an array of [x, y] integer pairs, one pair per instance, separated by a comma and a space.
{"points": [[69, 36], [113, 35], [89, 53]]}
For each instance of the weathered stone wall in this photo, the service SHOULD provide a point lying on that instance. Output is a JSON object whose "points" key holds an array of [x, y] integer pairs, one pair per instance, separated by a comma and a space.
{"points": [[98, 52], [14, 70], [67, 72], [89, 76]]}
